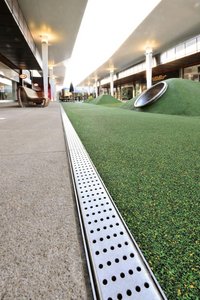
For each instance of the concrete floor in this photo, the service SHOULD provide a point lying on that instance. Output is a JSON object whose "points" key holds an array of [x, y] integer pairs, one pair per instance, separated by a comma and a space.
{"points": [[41, 252]]}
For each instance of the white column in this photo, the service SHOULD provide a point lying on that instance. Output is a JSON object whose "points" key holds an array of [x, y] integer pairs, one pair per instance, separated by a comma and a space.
{"points": [[111, 83], [45, 64], [148, 54], [52, 83], [88, 88], [96, 88]]}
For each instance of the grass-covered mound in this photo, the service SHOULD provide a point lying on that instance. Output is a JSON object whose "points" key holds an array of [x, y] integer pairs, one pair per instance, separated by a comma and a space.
{"points": [[150, 165], [88, 100], [106, 100], [182, 97]]}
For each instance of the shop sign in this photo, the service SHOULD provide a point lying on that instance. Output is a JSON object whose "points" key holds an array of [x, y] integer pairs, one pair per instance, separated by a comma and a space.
{"points": [[159, 77], [23, 76]]}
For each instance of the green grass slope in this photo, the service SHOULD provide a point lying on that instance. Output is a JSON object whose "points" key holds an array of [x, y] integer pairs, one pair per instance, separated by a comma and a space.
{"points": [[150, 165], [106, 100], [88, 100], [181, 98]]}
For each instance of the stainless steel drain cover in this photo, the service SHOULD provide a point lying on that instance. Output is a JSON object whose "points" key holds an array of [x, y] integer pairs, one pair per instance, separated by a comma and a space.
{"points": [[118, 268]]}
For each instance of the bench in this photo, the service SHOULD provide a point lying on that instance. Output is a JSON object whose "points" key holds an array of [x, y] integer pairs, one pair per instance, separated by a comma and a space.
{"points": [[27, 96]]}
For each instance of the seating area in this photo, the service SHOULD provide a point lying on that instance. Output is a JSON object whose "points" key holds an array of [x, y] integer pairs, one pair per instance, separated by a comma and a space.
{"points": [[28, 97]]}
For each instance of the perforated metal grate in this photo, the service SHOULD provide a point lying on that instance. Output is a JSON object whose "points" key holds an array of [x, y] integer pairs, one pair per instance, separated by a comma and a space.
{"points": [[119, 270]]}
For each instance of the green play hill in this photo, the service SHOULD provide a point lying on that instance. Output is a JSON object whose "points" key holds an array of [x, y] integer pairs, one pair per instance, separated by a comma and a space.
{"points": [[106, 100], [182, 97]]}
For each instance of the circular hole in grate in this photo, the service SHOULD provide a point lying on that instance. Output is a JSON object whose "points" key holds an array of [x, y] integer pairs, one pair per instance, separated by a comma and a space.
{"points": [[117, 260], [124, 257], [101, 239], [114, 278], [97, 252], [119, 245], [122, 275], [108, 237], [104, 250], [109, 263], [119, 296], [128, 292], [105, 281], [146, 285], [137, 288], [100, 266], [138, 269], [112, 248], [105, 227], [132, 255], [130, 272]]}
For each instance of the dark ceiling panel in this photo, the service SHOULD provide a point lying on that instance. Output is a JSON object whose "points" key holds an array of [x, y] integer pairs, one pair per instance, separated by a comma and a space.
{"points": [[13, 46]]}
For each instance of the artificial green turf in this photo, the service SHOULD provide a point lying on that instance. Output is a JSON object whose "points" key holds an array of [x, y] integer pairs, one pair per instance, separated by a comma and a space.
{"points": [[182, 97], [150, 165]]}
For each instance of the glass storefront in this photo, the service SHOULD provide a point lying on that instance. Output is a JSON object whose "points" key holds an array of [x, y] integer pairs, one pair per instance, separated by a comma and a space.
{"points": [[5, 89], [192, 73], [126, 92], [8, 83]]}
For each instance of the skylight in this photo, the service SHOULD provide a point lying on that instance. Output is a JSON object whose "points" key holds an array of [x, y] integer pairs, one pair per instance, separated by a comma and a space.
{"points": [[105, 26]]}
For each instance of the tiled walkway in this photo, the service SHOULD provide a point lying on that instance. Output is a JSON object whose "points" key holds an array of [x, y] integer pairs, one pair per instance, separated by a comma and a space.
{"points": [[41, 253]]}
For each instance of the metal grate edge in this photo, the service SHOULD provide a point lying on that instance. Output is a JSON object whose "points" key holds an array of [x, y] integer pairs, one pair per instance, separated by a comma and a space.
{"points": [[117, 267]]}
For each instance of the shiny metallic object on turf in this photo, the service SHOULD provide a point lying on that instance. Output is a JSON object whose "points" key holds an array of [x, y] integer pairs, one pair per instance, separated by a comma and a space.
{"points": [[151, 95]]}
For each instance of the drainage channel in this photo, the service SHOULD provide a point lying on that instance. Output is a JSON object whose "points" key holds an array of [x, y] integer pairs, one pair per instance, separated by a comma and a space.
{"points": [[116, 265]]}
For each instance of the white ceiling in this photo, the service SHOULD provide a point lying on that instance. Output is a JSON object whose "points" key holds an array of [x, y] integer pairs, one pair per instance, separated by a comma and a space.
{"points": [[60, 19], [171, 22]]}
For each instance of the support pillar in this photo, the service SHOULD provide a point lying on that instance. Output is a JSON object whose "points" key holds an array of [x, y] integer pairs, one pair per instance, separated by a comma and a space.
{"points": [[181, 73], [148, 54], [52, 83], [20, 78], [111, 83], [88, 88], [45, 64], [96, 88]]}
